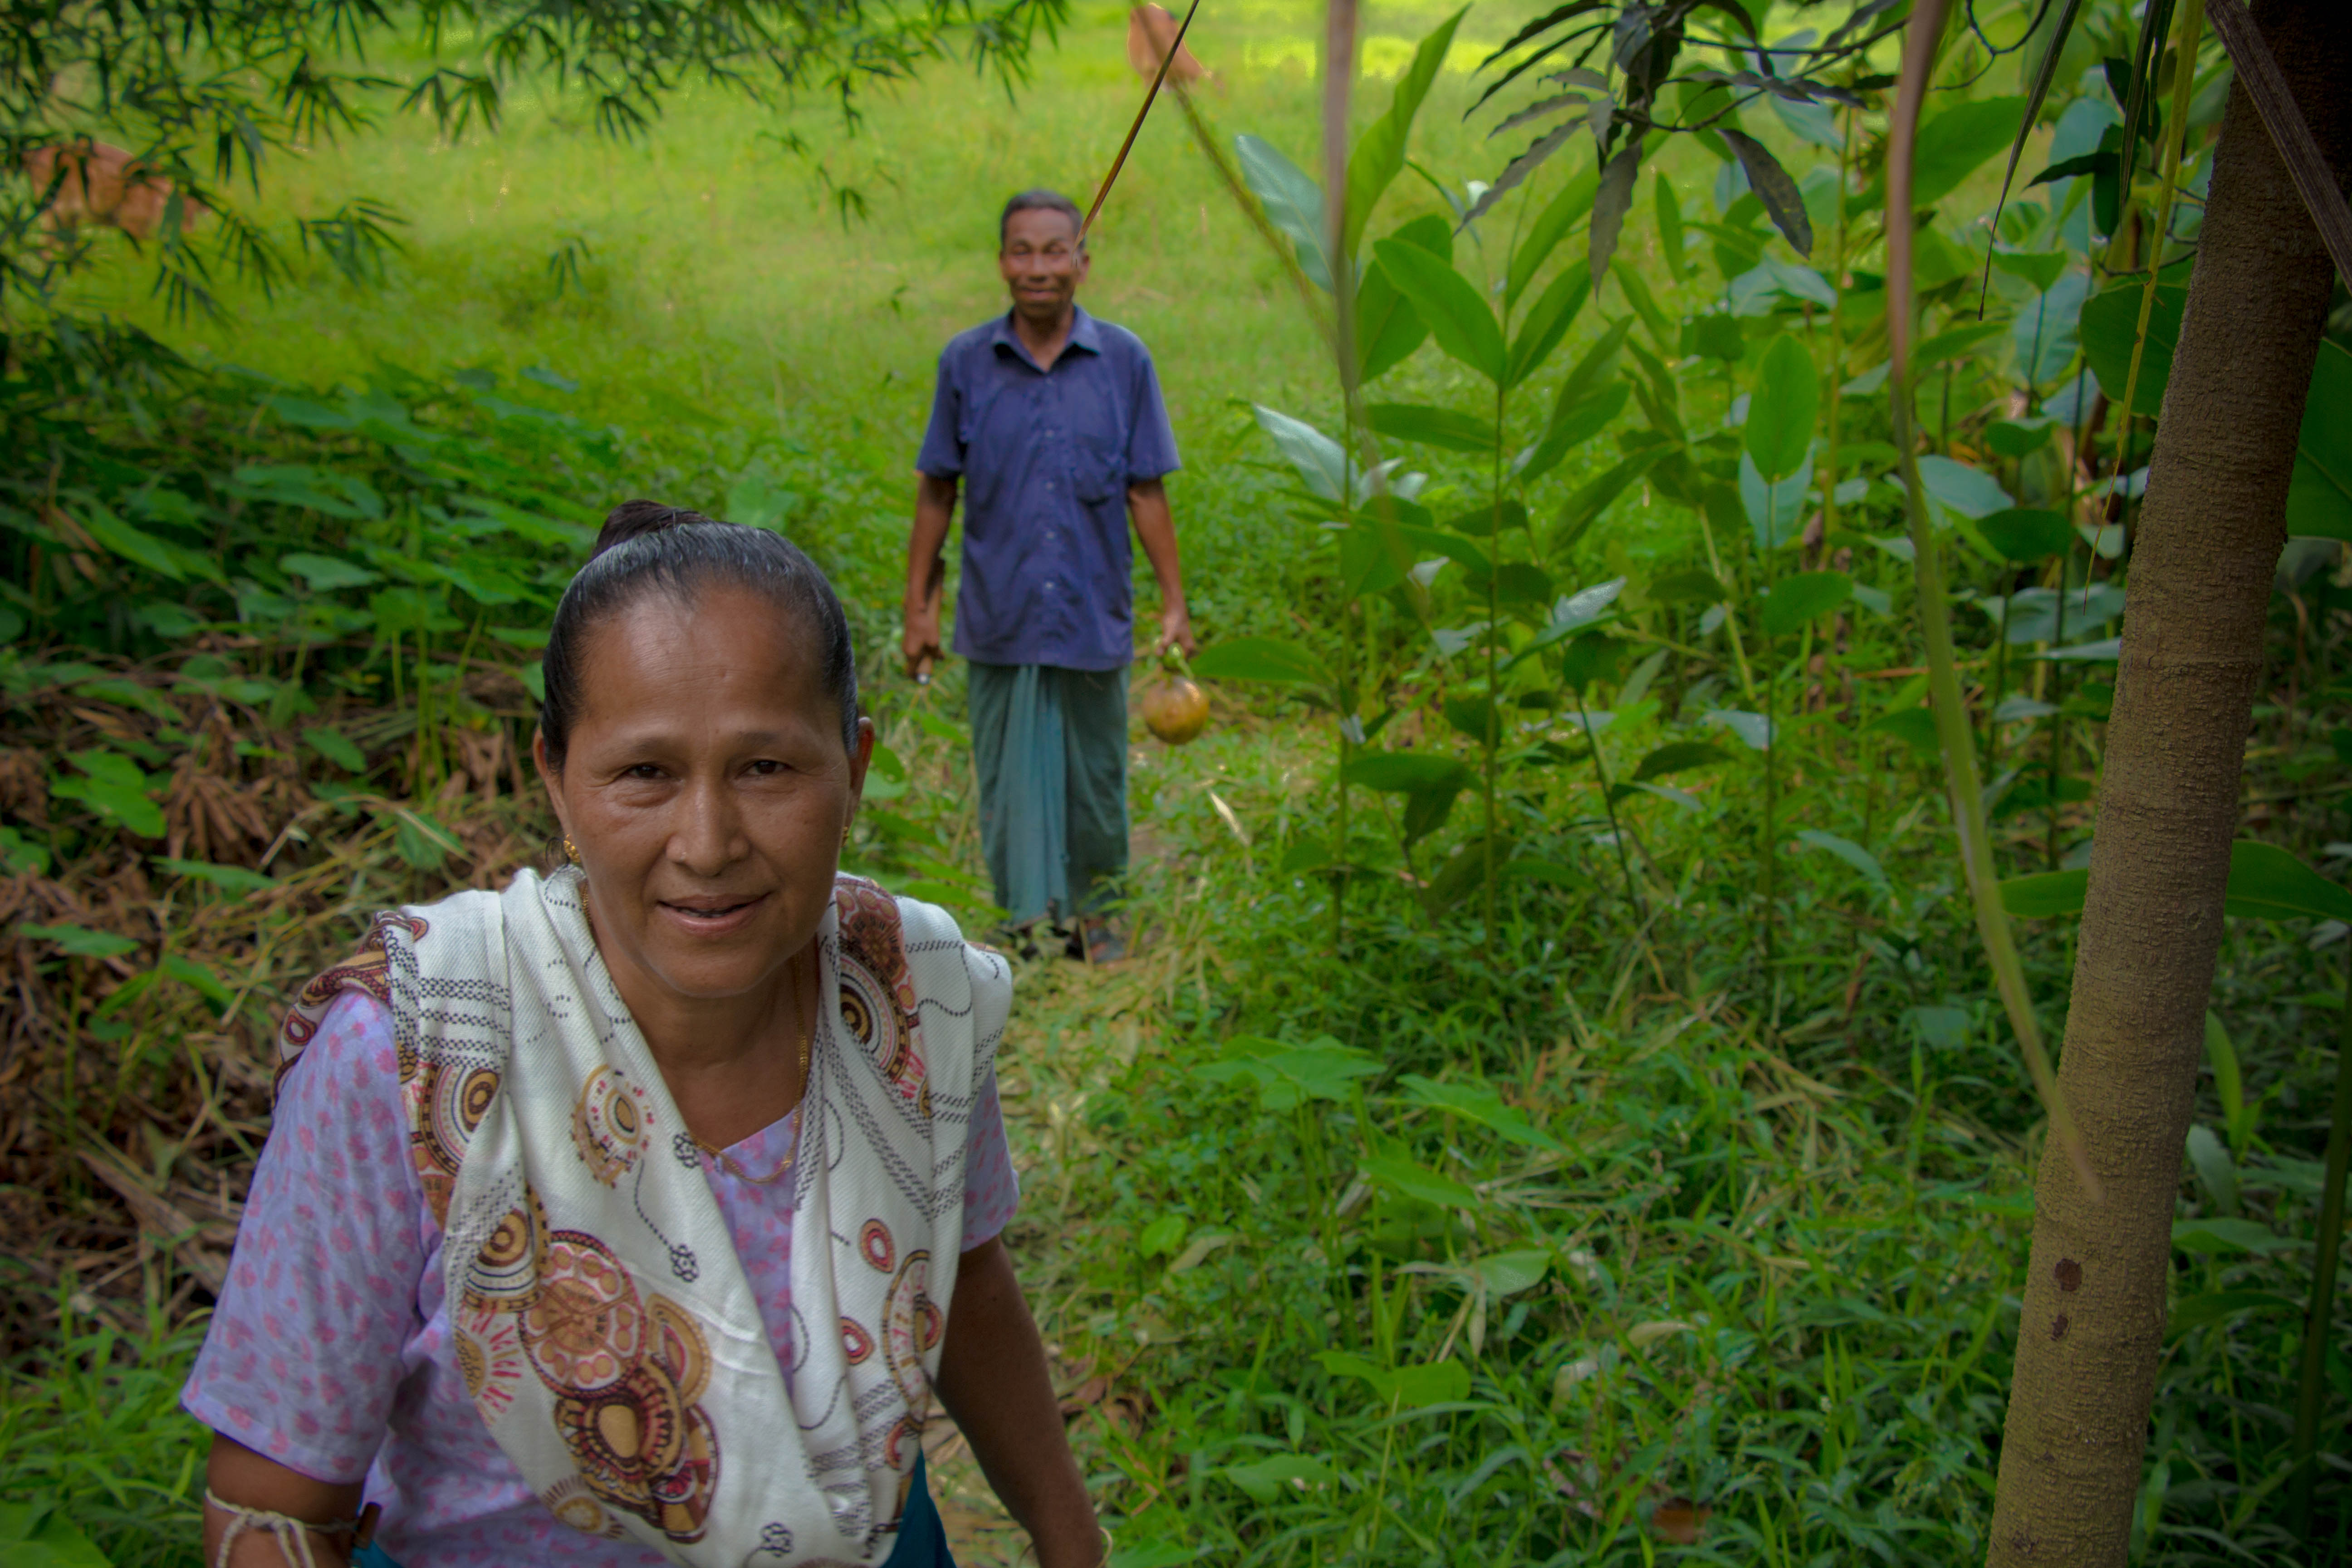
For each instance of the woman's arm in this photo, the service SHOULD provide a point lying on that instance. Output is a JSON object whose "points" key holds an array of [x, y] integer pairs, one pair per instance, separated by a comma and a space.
{"points": [[236, 1474], [994, 1381]]}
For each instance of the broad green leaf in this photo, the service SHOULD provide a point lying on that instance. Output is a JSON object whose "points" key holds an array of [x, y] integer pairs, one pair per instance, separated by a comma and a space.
{"points": [[1914, 727], [1783, 403], [2025, 535], [1400, 773], [1954, 144], [1954, 343], [1678, 756], [1426, 810], [160, 557], [1806, 596], [37, 1535], [1847, 850], [2319, 501], [1259, 659], [1378, 156], [1162, 1236], [78, 942], [1418, 1181], [228, 879], [1689, 586], [2041, 895], [325, 572], [1560, 216], [1405, 1388], [1572, 426], [1461, 322], [1479, 1104], [196, 976], [1322, 465], [115, 789], [1293, 202], [1753, 729], [1774, 509], [421, 840], [1968, 491], [2110, 325], [1509, 1273], [2211, 1158], [1432, 427], [336, 749], [2267, 882], [1267, 1479], [2218, 1306], [1551, 873], [1387, 328], [1547, 322], [1585, 507], [2221, 1236], [1670, 227]]}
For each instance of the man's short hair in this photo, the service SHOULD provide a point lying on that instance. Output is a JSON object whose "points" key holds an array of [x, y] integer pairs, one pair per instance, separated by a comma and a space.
{"points": [[1040, 200]]}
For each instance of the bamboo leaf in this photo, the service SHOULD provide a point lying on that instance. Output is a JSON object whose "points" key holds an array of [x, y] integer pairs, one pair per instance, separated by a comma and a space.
{"points": [[1806, 596], [1574, 425], [1670, 227], [1520, 167], [1547, 322], [1610, 204], [1560, 216]]}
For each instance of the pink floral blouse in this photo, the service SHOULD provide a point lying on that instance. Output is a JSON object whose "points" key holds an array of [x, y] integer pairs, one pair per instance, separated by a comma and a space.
{"points": [[330, 1351]]}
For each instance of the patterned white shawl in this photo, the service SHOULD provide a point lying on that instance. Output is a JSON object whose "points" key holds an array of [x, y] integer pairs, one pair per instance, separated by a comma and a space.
{"points": [[608, 1334]]}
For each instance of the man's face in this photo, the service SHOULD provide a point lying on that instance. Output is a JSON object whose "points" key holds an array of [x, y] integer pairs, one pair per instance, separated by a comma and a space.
{"points": [[1041, 263]]}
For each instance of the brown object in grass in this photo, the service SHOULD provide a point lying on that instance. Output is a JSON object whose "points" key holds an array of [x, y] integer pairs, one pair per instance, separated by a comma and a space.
{"points": [[1175, 710], [1149, 31], [89, 182], [1679, 1520]]}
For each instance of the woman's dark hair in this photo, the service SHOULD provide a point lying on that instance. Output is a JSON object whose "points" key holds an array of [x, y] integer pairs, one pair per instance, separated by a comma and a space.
{"points": [[682, 558], [632, 518]]}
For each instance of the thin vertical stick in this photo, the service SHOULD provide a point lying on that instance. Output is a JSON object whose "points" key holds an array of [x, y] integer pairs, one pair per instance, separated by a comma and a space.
{"points": [[2311, 1394], [1120, 162]]}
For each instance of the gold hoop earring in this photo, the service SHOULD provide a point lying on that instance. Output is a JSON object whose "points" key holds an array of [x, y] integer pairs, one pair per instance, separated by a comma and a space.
{"points": [[571, 850], [844, 832]]}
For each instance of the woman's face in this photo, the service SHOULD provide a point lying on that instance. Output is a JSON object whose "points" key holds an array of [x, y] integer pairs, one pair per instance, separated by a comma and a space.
{"points": [[707, 790]]}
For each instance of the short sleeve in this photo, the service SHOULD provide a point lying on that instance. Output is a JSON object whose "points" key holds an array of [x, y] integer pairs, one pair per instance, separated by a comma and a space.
{"points": [[942, 453], [305, 1351], [1151, 445], [991, 1190]]}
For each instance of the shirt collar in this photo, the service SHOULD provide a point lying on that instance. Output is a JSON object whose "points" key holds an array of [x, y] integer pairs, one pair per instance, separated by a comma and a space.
{"points": [[1085, 333]]}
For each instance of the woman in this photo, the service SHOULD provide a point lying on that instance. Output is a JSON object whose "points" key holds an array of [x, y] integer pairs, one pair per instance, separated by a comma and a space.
{"points": [[633, 1214]]}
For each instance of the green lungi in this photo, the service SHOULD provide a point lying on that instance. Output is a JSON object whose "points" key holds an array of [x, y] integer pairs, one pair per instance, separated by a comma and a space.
{"points": [[1051, 746]]}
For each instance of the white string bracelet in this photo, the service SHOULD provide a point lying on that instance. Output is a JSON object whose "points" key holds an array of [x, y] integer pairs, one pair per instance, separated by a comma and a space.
{"points": [[291, 1536]]}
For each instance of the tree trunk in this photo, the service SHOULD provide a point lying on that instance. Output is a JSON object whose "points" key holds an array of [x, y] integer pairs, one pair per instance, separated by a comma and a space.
{"points": [[2201, 566]]}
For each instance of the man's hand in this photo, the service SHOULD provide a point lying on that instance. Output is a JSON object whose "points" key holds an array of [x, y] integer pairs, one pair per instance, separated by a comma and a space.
{"points": [[1176, 631], [921, 642], [926, 573]]}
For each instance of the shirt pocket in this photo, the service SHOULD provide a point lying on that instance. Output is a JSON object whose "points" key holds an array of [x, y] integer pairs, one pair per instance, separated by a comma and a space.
{"points": [[1097, 469]]}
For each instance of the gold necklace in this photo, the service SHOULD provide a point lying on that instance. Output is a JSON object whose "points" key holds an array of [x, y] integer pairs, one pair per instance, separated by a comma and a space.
{"points": [[727, 1162]]}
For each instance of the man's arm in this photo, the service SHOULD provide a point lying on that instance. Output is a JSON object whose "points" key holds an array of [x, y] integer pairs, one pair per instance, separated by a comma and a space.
{"points": [[1155, 526], [994, 1381], [926, 572]]}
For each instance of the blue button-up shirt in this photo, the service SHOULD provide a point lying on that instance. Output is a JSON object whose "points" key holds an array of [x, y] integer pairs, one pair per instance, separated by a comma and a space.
{"points": [[1046, 457]]}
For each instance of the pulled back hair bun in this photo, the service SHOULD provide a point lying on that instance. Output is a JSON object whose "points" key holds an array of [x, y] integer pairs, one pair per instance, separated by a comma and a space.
{"points": [[647, 548], [636, 519]]}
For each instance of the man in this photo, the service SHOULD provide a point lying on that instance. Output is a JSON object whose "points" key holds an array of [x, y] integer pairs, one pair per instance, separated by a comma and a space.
{"points": [[1052, 421]]}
